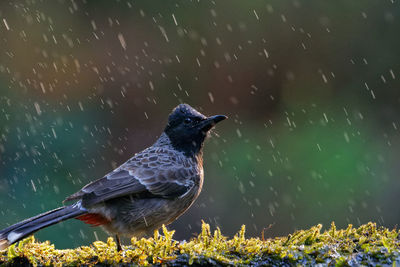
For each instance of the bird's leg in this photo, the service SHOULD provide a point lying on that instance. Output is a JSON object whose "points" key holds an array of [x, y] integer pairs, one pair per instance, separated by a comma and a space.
{"points": [[119, 247]]}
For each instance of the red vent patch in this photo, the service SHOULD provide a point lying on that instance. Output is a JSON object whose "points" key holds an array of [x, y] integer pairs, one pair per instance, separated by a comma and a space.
{"points": [[93, 218]]}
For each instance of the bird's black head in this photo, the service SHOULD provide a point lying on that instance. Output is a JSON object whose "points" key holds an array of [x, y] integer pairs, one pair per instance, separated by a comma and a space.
{"points": [[187, 128]]}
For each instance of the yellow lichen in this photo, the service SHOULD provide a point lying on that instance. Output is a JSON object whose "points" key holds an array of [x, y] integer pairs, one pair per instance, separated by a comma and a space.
{"points": [[365, 244]]}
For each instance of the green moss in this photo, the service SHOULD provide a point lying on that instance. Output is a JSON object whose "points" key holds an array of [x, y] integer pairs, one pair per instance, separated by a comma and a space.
{"points": [[366, 245]]}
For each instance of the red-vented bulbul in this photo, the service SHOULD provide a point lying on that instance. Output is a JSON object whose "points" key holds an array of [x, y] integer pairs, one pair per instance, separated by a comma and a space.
{"points": [[153, 188]]}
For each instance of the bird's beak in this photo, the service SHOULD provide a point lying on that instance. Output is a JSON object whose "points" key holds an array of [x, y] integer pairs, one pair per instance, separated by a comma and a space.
{"points": [[210, 122]]}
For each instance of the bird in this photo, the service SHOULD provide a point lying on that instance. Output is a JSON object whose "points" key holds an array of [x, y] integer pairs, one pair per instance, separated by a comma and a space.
{"points": [[151, 189]]}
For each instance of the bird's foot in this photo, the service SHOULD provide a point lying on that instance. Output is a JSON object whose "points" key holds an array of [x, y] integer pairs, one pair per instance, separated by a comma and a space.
{"points": [[119, 247]]}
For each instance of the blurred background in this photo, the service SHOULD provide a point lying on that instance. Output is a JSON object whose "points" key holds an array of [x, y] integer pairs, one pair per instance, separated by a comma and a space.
{"points": [[311, 89]]}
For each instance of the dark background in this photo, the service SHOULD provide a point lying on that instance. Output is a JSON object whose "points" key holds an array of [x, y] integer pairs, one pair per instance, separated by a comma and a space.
{"points": [[311, 89]]}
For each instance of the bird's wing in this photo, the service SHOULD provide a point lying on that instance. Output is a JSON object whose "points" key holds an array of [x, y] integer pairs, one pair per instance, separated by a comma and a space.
{"points": [[140, 180]]}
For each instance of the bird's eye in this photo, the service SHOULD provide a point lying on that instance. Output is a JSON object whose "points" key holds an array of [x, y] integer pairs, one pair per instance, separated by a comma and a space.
{"points": [[187, 120]]}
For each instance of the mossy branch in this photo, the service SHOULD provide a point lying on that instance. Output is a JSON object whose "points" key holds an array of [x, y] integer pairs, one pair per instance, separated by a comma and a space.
{"points": [[366, 244]]}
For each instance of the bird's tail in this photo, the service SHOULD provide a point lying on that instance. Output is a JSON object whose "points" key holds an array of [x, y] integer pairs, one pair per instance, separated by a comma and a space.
{"points": [[20, 230]]}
